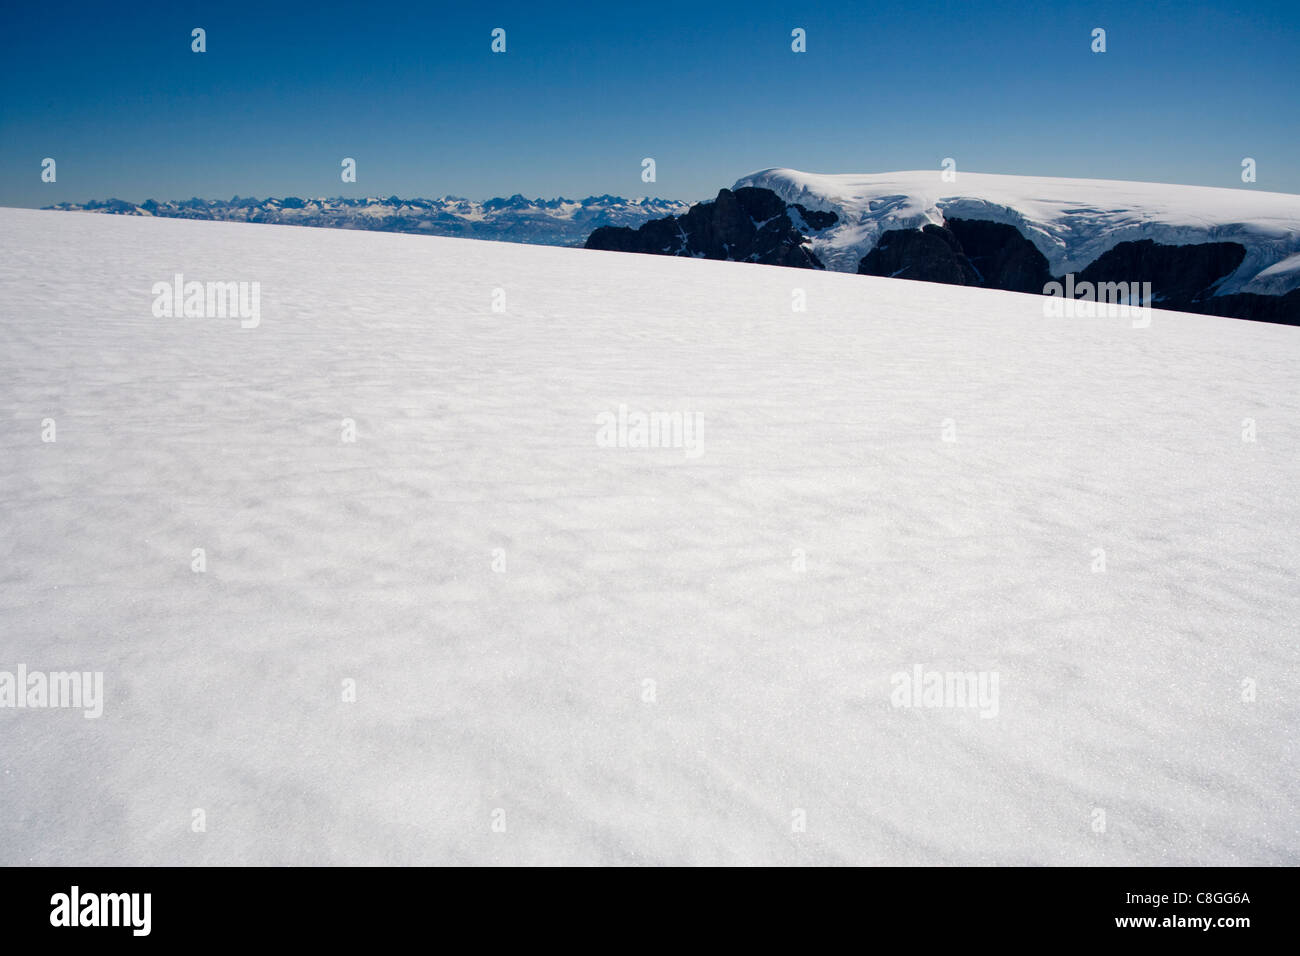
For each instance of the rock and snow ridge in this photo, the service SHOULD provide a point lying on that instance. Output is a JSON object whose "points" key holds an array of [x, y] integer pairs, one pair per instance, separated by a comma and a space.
{"points": [[744, 225], [629, 655], [1072, 222]]}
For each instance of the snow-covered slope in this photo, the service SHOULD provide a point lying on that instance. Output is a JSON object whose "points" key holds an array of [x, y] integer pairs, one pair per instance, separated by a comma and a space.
{"points": [[827, 539], [1071, 221]]}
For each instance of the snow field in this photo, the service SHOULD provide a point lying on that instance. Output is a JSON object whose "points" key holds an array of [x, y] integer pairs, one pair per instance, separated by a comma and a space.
{"points": [[524, 690]]}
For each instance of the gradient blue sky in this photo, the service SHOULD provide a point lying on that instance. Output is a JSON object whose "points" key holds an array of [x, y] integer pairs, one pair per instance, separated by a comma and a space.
{"points": [[710, 90]]}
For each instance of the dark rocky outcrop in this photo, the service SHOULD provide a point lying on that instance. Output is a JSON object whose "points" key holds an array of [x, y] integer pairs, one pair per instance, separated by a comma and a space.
{"points": [[992, 255], [1003, 258], [745, 225], [929, 254], [1180, 276], [997, 256], [1282, 309], [814, 219]]}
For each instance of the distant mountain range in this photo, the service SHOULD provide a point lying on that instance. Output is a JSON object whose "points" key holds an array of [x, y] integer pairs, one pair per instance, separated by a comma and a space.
{"points": [[554, 222], [1232, 252]]}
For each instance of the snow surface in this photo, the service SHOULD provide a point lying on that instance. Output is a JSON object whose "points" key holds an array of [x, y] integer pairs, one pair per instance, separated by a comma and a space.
{"points": [[523, 691], [1071, 221]]}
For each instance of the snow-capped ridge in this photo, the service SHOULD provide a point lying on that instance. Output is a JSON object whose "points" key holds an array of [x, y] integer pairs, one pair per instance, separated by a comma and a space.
{"points": [[1071, 221]]}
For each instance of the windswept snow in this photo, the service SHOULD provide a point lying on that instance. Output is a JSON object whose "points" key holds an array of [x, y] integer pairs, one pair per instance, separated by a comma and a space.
{"points": [[1279, 278], [678, 658], [1071, 221]]}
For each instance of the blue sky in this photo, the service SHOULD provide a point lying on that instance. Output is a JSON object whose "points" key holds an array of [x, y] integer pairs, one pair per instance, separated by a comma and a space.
{"points": [[711, 90]]}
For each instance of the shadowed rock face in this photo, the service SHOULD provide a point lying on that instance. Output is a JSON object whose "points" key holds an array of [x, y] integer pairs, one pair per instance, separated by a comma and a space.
{"points": [[1003, 257], [996, 256], [745, 225], [1182, 275], [929, 254], [992, 255], [1282, 309]]}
